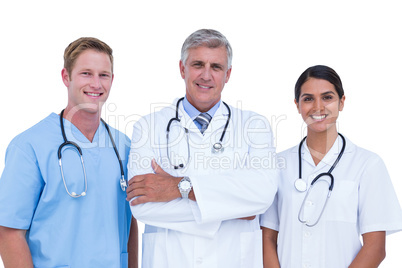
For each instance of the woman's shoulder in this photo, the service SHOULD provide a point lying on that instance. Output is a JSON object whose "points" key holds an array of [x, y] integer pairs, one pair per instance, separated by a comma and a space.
{"points": [[361, 153], [289, 152]]}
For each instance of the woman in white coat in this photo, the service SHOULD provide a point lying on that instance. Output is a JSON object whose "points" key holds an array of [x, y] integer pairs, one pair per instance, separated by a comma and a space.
{"points": [[317, 219]]}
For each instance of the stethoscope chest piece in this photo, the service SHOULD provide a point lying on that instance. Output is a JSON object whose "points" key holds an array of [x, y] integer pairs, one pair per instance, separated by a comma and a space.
{"points": [[300, 185], [123, 183], [217, 148]]}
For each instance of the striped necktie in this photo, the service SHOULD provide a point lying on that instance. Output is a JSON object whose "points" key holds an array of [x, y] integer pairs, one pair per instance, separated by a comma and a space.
{"points": [[203, 119]]}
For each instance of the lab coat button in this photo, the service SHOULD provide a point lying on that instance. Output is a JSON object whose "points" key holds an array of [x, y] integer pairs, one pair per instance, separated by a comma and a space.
{"points": [[199, 260]]}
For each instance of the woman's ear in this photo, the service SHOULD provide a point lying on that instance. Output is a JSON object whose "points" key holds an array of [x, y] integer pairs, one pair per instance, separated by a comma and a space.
{"points": [[341, 103], [297, 106]]}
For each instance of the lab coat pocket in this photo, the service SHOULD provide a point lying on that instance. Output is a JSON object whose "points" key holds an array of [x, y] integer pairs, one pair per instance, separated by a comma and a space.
{"points": [[251, 249], [343, 203]]}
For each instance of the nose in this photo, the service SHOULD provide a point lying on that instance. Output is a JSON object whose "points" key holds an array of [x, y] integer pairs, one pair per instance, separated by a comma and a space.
{"points": [[206, 73], [318, 105], [95, 82]]}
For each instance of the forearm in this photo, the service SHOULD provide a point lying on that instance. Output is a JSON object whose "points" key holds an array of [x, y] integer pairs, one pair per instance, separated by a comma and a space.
{"points": [[236, 194], [132, 246], [270, 253], [14, 249], [373, 251]]}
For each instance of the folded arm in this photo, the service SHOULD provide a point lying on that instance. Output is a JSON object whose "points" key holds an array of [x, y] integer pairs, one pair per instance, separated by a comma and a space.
{"points": [[154, 187], [223, 194]]}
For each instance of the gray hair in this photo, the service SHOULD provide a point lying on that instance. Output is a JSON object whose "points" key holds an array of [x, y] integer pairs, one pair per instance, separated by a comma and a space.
{"points": [[208, 38]]}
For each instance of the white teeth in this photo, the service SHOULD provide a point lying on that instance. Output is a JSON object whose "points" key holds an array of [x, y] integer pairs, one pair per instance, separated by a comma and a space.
{"points": [[206, 87], [93, 94], [318, 117]]}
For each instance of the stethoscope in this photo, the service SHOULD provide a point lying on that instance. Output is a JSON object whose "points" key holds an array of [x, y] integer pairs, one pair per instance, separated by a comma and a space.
{"points": [[123, 181], [216, 148], [301, 185]]}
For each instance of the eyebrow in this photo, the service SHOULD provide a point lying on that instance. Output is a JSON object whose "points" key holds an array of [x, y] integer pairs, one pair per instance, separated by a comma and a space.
{"points": [[217, 65], [322, 94], [91, 70], [213, 64]]}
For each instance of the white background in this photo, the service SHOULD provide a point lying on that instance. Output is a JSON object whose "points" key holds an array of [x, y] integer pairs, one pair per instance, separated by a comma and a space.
{"points": [[273, 43]]}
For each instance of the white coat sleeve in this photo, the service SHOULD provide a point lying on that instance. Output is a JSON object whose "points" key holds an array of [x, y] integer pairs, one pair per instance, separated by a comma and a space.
{"points": [[176, 214], [270, 219], [379, 209], [246, 190]]}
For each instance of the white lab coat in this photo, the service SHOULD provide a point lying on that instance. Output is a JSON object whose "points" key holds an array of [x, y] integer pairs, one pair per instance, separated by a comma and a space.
{"points": [[363, 200], [240, 182]]}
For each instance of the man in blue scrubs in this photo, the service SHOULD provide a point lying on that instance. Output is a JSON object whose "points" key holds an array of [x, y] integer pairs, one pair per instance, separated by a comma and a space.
{"points": [[74, 214]]}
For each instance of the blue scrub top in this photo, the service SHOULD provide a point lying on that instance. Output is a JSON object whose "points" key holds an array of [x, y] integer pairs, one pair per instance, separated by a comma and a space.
{"points": [[90, 231]]}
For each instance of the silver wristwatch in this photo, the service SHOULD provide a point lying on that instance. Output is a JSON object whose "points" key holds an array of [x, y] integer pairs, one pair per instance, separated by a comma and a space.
{"points": [[185, 187]]}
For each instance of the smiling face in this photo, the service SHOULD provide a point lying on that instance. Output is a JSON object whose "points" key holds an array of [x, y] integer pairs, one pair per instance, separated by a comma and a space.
{"points": [[90, 81], [319, 105], [205, 74]]}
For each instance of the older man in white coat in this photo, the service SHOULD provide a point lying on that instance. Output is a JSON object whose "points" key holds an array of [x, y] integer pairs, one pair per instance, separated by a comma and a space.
{"points": [[202, 171]]}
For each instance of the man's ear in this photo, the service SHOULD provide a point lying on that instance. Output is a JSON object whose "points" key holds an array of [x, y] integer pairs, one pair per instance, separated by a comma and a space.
{"points": [[65, 77], [181, 65], [228, 72]]}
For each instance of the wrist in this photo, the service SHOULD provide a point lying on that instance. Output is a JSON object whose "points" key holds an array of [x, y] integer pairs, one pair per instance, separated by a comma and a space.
{"points": [[185, 186]]}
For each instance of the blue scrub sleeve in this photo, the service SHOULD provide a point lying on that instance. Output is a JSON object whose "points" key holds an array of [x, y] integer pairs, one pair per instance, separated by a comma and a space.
{"points": [[20, 187]]}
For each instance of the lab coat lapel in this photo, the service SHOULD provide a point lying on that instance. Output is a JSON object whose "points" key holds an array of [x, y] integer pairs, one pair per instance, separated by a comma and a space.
{"points": [[306, 155], [186, 121], [329, 159]]}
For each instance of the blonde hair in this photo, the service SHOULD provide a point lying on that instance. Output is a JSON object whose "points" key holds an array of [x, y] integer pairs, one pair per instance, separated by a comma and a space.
{"points": [[74, 49]]}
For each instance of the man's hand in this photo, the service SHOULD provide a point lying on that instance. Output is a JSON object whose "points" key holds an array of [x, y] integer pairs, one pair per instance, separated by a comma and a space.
{"points": [[248, 218], [158, 187]]}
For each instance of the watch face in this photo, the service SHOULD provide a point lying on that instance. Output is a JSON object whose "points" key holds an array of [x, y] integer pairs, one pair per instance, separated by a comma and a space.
{"points": [[185, 185]]}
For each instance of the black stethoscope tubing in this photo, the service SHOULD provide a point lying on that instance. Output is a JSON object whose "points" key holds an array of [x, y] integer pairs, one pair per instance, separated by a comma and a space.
{"points": [[123, 182], [328, 173], [217, 147], [301, 186]]}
